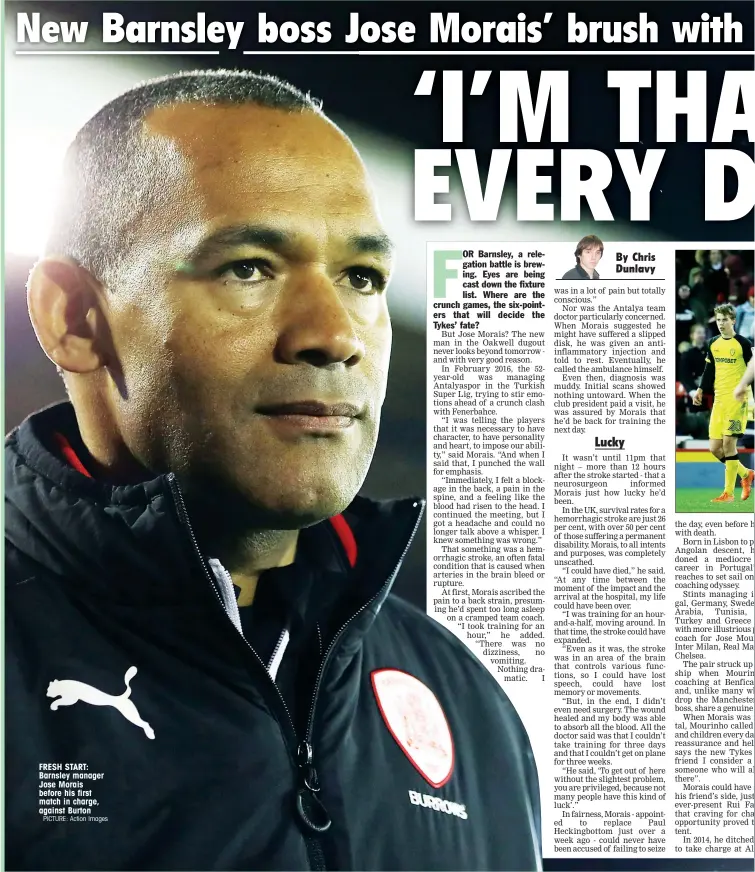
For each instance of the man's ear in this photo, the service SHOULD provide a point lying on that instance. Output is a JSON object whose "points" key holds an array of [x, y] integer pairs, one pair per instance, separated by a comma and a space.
{"points": [[65, 306]]}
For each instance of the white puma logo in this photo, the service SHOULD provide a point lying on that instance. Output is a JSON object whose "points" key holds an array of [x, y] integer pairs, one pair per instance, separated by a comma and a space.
{"points": [[71, 692]]}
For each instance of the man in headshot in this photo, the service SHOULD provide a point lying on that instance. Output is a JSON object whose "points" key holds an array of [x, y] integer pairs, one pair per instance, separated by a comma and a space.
{"points": [[725, 368], [203, 654], [588, 254]]}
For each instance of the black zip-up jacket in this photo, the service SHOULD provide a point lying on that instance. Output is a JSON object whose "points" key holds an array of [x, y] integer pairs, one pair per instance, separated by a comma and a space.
{"points": [[131, 694], [579, 273]]}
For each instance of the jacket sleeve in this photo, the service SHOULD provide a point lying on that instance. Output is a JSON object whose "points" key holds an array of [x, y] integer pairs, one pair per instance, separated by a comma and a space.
{"points": [[709, 373], [746, 348], [686, 367], [533, 787]]}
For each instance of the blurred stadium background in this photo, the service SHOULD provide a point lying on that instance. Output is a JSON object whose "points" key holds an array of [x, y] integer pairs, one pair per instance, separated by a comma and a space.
{"points": [[706, 279]]}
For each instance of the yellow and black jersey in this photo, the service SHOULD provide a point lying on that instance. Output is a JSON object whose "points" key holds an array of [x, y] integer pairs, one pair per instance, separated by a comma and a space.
{"points": [[725, 364]]}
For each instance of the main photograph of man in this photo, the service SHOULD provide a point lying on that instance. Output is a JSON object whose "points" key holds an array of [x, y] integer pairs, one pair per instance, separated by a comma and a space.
{"points": [[725, 366], [588, 254], [204, 659]]}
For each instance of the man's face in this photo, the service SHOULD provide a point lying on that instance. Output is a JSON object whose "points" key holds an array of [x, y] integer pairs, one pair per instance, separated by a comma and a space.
{"points": [[698, 336], [725, 325], [716, 257], [250, 321], [590, 258]]}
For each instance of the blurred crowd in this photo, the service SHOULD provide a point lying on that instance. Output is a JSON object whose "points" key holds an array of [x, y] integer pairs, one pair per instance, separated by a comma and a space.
{"points": [[704, 280]]}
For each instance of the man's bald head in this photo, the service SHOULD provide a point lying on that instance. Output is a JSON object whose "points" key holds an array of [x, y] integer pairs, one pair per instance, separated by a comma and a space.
{"points": [[115, 172]]}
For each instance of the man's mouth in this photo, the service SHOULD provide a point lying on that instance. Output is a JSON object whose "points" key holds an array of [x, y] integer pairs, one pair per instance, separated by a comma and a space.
{"points": [[312, 415]]}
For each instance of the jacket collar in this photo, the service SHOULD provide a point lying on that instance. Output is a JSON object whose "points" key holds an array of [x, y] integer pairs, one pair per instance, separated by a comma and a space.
{"points": [[131, 543], [584, 274]]}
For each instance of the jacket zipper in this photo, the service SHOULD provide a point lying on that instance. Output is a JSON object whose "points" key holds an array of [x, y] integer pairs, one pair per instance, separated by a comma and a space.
{"points": [[312, 813], [307, 803], [223, 577], [181, 506], [310, 810], [277, 655], [337, 637]]}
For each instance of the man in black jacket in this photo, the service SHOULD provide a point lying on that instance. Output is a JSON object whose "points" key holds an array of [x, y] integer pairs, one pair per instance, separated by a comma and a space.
{"points": [[204, 662], [692, 361]]}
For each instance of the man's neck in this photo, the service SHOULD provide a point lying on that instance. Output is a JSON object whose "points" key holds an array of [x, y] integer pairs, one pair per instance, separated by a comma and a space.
{"points": [[246, 560], [245, 550], [108, 457]]}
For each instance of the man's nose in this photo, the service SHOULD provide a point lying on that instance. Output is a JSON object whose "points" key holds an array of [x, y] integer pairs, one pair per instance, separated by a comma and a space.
{"points": [[315, 326]]}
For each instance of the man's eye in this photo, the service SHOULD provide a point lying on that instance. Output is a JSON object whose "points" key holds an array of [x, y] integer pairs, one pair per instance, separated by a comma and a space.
{"points": [[364, 279], [248, 271]]}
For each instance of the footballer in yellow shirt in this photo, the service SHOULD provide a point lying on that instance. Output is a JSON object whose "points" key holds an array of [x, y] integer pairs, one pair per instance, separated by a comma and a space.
{"points": [[725, 364]]}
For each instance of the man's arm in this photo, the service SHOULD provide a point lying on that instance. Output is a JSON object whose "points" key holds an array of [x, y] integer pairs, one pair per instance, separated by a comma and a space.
{"points": [[687, 367], [708, 379], [741, 389], [746, 347]]}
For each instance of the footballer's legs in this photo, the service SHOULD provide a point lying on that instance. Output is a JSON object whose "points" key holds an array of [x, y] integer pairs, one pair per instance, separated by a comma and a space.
{"points": [[725, 450], [735, 467], [718, 451]]}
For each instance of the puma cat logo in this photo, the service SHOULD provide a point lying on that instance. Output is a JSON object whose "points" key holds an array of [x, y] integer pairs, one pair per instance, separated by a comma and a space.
{"points": [[71, 692]]}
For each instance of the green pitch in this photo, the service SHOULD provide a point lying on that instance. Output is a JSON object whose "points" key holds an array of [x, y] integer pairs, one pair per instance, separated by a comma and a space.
{"points": [[698, 499]]}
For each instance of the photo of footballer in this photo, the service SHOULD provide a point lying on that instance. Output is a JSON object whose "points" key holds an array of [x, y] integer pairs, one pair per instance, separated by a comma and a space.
{"points": [[725, 364], [713, 395]]}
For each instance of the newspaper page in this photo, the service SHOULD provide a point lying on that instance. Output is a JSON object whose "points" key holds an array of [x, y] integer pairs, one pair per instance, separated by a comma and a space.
{"points": [[570, 188]]}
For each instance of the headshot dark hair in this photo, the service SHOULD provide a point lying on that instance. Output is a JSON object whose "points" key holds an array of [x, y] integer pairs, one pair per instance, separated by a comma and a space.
{"points": [[588, 242], [113, 174]]}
